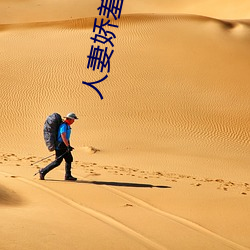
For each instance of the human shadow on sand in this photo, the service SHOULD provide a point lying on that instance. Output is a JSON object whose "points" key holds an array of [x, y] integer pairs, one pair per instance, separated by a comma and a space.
{"points": [[122, 184], [113, 183]]}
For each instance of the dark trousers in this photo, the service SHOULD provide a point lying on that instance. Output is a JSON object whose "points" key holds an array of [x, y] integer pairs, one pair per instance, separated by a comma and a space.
{"points": [[67, 156]]}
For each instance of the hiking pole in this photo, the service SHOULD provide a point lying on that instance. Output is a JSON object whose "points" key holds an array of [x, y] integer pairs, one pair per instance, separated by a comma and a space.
{"points": [[48, 157], [41, 160]]}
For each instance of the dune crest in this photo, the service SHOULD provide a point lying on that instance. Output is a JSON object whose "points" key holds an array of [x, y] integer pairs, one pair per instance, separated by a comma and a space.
{"points": [[87, 22], [48, 10]]}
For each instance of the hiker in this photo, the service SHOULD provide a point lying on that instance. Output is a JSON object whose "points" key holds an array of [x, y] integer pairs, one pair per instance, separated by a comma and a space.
{"points": [[63, 149]]}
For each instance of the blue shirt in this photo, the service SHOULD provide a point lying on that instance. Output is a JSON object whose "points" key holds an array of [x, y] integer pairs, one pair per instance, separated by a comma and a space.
{"points": [[64, 128]]}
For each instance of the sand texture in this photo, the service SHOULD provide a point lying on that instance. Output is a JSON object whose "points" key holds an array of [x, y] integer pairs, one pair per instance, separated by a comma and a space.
{"points": [[162, 160]]}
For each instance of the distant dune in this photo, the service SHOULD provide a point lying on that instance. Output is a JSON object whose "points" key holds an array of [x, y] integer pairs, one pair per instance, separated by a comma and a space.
{"points": [[14, 11]]}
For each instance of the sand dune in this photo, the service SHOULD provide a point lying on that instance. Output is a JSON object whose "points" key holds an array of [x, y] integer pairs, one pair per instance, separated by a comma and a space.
{"points": [[194, 111], [37, 11], [162, 161]]}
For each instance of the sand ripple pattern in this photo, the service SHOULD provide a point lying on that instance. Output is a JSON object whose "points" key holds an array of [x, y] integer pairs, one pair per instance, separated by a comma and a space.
{"points": [[169, 80]]}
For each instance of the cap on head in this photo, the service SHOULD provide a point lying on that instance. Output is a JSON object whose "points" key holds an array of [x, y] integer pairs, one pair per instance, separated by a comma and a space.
{"points": [[71, 116]]}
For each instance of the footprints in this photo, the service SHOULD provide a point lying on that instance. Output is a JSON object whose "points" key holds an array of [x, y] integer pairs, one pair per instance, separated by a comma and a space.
{"points": [[11, 159], [93, 169], [219, 184], [224, 185], [14, 160], [128, 205], [90, 150]]}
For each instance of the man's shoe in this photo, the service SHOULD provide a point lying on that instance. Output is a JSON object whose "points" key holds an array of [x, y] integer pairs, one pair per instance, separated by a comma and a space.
{"points": [[41, 175], [70, 178]]}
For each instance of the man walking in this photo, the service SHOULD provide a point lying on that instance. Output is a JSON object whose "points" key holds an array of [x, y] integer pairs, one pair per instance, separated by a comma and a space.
{"points": [[63, 150]]}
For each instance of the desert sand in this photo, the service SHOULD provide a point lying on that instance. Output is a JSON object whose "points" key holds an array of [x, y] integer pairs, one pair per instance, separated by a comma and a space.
{"points": [[162, 160]]}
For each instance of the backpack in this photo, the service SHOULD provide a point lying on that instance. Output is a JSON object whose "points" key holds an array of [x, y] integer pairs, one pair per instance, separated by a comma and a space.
{"points": [[50, 130]]}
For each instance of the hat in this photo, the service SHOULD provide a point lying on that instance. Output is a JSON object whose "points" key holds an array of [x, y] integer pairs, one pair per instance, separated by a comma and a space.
{"points": [[71, 116]]}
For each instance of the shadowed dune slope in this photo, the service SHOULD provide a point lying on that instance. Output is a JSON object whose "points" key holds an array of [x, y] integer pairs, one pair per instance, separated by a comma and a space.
{"points": [[8, 197]]}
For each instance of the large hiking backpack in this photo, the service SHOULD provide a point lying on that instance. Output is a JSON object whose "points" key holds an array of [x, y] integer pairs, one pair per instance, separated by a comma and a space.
{"points": [[50, 130]]}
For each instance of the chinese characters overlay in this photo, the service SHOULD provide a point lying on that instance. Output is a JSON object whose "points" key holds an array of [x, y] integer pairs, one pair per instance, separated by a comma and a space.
{"points": [[99, 57]]}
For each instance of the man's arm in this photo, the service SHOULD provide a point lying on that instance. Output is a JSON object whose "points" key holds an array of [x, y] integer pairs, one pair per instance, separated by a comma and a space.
{"points": [[66, 142]]}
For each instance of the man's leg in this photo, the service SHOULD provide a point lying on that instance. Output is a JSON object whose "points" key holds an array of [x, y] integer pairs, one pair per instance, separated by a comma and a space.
{"points": [[52, 165], [68, 160]]}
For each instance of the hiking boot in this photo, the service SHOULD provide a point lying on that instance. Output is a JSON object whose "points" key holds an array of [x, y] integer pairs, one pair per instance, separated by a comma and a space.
{"points": [[70, 178], [41, 175]]}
